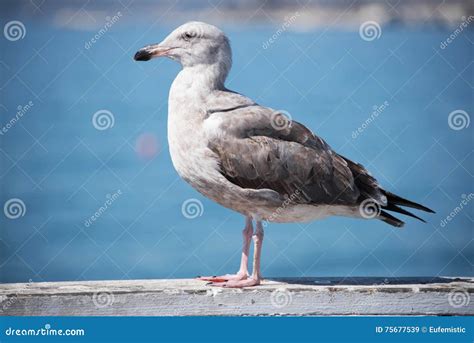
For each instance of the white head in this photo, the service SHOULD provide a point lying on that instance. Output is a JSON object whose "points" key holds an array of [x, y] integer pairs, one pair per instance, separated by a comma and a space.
{"points": [[193, 44]]}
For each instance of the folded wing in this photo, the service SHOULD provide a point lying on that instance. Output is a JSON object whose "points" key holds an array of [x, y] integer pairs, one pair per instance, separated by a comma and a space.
{"points": [[259, 148]]}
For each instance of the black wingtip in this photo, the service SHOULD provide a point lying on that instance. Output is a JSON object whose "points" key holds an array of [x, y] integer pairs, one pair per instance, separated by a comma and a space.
{"points": [[394, 208], [391, 220], [397, 200]]}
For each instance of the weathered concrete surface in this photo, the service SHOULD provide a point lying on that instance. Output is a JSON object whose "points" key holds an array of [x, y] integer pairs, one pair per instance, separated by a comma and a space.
{"points": [[185, 297]]}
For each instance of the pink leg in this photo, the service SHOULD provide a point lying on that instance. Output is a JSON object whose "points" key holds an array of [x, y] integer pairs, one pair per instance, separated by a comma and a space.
{"points": [[256, 277], [243, 272]]}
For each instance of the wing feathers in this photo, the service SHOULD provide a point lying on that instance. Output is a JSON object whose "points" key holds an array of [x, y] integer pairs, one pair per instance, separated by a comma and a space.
{"points": [[295, 163]]}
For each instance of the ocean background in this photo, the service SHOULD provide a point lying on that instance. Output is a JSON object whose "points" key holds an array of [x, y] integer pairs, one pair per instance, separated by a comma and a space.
{"points": [[64, 169]]}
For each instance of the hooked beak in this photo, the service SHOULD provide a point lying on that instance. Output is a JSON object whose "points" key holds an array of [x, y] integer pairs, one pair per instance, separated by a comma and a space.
{"points": [[151, 51]]}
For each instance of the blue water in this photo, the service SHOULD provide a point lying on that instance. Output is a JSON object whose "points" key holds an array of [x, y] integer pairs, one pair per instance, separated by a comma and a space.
{"points": [[63, 169]]}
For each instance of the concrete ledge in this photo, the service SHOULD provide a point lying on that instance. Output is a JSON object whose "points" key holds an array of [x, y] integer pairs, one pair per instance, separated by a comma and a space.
{"points": [[187, 297]]}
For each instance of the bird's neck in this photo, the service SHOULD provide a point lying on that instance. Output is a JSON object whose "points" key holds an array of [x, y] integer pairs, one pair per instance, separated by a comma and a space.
{"points": [[202, 78], [190, 91], [187, 105]]}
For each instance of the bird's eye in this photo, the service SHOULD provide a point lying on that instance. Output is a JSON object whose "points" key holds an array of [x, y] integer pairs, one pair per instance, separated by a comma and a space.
{"points": [[189, 35]]}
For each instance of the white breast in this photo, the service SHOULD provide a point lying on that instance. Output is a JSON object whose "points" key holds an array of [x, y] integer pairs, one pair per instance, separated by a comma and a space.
{"points": [[187, 138]]}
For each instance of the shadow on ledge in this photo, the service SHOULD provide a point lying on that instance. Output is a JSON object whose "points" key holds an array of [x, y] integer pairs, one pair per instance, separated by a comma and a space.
{"points": [[367, 281]]}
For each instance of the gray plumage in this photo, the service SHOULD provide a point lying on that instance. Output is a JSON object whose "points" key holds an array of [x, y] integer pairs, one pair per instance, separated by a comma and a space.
{"points": [[251, 158]]}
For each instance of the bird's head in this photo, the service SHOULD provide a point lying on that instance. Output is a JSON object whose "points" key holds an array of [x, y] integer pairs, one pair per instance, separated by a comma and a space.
{"points": [[191, 44]]}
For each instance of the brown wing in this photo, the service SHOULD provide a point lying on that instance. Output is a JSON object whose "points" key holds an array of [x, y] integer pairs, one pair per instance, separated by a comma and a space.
{"points": [[290, 160]]}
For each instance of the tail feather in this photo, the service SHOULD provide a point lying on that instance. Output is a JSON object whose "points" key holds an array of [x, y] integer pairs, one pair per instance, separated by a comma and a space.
{"points": [[397, 200], [389, 219], [370, 189], [393, 202], [395, 208]]}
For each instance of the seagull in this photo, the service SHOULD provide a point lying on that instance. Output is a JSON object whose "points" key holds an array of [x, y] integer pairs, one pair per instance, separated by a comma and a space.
{"points": [[253, 159]]}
